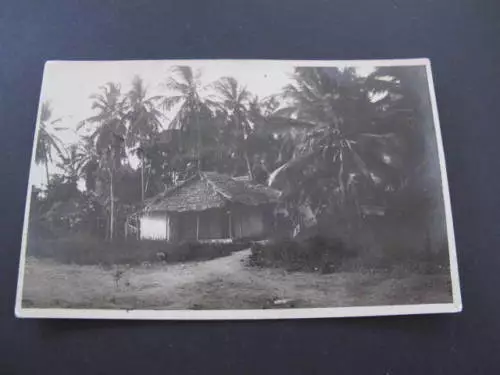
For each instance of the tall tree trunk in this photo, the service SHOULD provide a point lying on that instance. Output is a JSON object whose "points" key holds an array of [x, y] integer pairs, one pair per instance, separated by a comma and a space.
{"points": [[142, 177], [199, 142], [146, 184], [47, 172], [112, 207], [106, 229], [249, 165], [244, 145]]}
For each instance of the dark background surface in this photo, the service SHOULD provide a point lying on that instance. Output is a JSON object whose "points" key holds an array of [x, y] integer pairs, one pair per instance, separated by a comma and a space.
{"points": [[461, 39]]}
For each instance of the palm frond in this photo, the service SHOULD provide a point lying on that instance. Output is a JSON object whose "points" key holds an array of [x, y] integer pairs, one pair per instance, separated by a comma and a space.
{"points": [[169, 102], [184, 72], [177, 86]]}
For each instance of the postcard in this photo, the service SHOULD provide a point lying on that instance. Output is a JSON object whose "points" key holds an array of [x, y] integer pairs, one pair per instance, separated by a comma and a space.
{"points": [[237, 189]]}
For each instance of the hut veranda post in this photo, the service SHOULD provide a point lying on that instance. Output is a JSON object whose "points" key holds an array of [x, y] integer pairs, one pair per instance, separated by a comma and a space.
{"points": [[237, 189]]}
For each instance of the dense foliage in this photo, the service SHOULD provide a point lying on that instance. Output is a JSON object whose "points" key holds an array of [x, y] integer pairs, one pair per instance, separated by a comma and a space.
{"points": [[351, 153]]}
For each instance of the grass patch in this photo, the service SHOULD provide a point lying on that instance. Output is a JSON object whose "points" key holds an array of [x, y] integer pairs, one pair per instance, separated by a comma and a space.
{"points": [[85, 250]]}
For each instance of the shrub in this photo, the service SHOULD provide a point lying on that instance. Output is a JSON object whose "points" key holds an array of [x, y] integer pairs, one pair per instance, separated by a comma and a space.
{"points": [[87, 250], [326, 255], [311, 254]]}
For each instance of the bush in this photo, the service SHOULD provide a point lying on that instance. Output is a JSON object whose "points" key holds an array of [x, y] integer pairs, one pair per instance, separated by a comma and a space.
{"points": [[86, 250], [326, 255], [312, 254]]}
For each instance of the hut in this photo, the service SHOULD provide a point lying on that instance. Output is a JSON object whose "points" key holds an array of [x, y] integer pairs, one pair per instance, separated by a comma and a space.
{"points": [[209, 206]]}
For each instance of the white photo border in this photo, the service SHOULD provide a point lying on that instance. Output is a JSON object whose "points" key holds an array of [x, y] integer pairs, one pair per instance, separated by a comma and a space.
{"points": [[291, 313]]}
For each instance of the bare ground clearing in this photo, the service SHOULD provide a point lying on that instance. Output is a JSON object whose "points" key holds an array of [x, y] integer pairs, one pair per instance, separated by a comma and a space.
{"points": [[223, 283]]}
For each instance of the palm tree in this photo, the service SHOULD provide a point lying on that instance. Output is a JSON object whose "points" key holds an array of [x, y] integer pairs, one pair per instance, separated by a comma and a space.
{"points": [[234, 101], [190, 108], [107, 136], [407, 110], [273, 133], [408, 113], [73, 163], [47, 141], [89, 160], [341, 146], [144, 121]]}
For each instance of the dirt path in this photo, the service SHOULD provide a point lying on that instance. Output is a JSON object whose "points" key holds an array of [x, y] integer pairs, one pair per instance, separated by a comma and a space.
{"points": [[200, 271], [223, 283]]}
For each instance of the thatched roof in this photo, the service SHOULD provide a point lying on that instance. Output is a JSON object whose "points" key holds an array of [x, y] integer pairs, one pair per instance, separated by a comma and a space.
{"points": [[208, 190]]}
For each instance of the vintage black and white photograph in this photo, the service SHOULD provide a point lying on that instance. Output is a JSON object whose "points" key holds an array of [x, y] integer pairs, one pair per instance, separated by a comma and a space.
{"points": [[234, 189]]}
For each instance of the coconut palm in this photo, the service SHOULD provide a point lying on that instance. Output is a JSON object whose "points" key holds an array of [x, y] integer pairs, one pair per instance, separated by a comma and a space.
{"points": [[273, 134], [234, 100], [185, 86], [47, 141], [192, 117], [107, 126], [408, 112], [73, 162], [143, 119], [89, 160], [341, 147], [107, 136]]}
